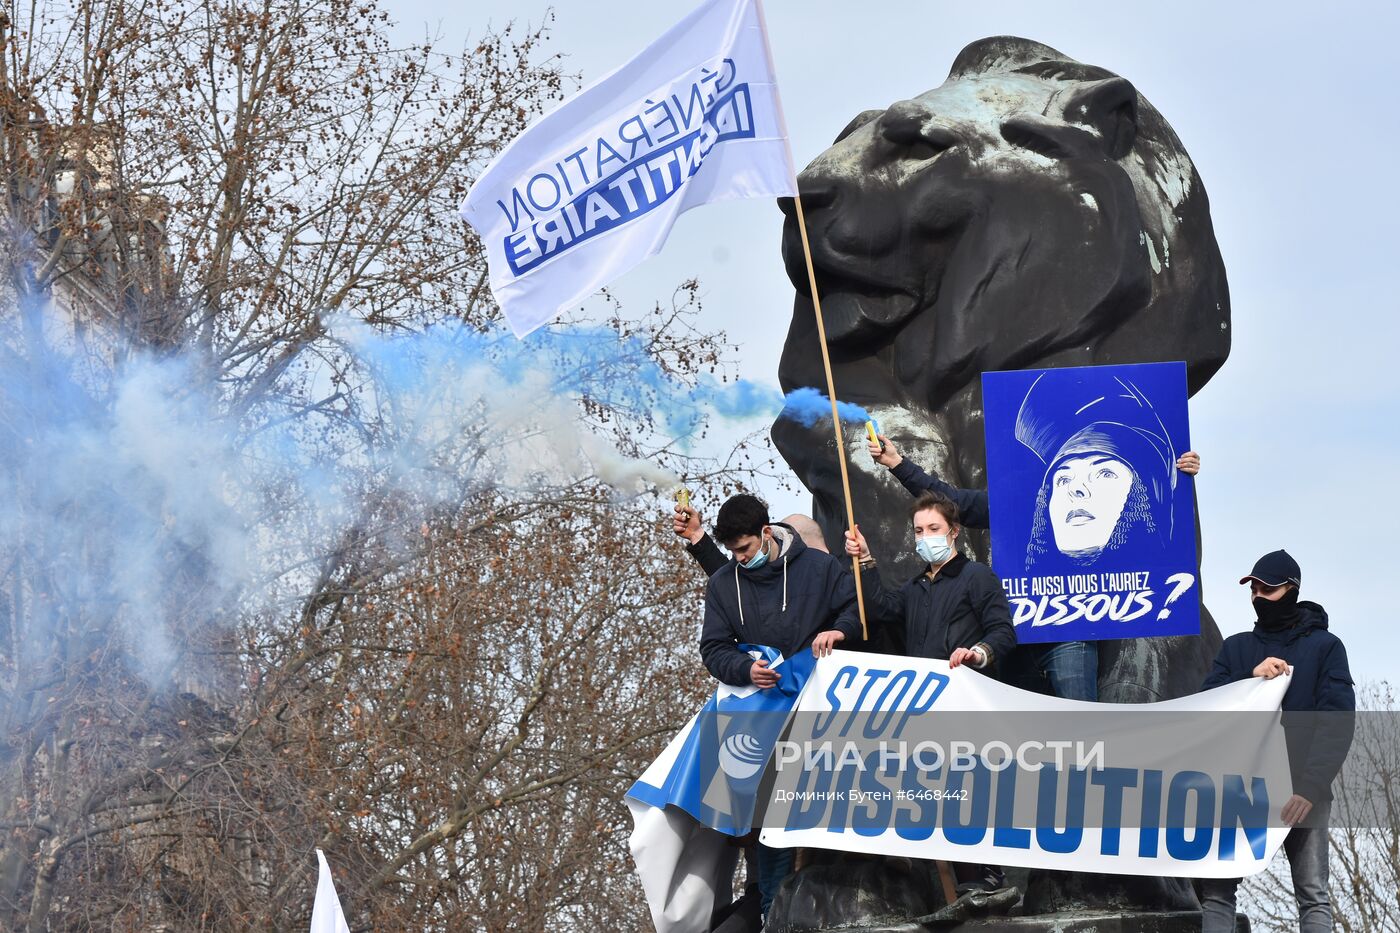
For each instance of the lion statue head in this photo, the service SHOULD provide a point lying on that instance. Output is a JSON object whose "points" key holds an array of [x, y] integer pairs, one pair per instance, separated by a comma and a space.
{"points": [[1031, 211]]}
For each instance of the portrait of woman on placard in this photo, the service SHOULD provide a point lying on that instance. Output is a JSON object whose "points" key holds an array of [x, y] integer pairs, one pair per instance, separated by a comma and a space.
{"points": [[1109, 474]]}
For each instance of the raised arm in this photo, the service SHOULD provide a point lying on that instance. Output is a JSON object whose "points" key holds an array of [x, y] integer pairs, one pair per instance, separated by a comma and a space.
{"points": [[972, 503], [881, 605], [686, 524]]}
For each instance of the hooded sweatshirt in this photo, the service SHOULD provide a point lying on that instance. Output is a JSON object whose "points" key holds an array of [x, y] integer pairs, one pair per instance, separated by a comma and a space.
{"points": [[1321, 682], [783, 604]]}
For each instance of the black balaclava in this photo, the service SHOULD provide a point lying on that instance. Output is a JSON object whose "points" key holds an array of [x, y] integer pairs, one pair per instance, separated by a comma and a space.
{"points": [[1276, 615]]}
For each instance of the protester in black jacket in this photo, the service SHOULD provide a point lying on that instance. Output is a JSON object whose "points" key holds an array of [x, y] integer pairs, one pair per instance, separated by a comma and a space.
{"points": [[775, 591], [955, 610], [1292, 636]]}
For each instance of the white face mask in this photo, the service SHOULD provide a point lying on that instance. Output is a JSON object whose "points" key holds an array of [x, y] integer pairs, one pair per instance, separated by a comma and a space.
{"points": [[933, 548]]}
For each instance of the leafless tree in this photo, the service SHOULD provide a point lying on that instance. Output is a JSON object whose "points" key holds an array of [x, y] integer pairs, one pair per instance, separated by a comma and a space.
{"points": [[1364, 851], [450, 697]]}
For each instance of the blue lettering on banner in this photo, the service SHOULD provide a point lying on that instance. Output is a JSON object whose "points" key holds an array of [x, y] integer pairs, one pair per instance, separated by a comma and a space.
{"points": [[810, 809], [641, 184], [871, 677], [1007, 834], [969, 830], [874, 794], [1250, 809], [1151, 813], [1182, 787], [919, 816], [915, 790], [1114, 782], [821, 725], [1048, 835], [877, 798]]}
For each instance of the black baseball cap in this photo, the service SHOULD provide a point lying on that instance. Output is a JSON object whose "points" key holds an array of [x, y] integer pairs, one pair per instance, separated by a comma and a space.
{"points": [[1275, 569]]}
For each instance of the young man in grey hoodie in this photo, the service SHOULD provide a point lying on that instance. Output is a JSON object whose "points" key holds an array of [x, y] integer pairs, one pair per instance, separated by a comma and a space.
{"points": [[778, 592]]}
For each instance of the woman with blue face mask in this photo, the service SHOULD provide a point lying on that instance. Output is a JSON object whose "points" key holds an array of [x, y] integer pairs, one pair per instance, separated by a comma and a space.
{"points": [[955, 610]]}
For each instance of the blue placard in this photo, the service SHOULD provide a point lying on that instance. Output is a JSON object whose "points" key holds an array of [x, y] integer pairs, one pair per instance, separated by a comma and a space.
{"points": [[1093, 526]]}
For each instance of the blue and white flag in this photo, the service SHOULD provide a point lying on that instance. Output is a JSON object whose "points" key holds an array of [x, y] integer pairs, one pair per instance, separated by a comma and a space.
{"points": [[593, 187], [702, 789]]}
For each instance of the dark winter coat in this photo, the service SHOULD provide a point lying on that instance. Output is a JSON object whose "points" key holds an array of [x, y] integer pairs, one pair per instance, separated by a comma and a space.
{"points": [[972, 503], [707, 554], [783, 604], [1321, 682], [962, 606]]}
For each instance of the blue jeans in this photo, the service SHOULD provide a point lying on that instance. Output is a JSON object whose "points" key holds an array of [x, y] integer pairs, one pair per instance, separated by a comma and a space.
{"points": [[1073, 669], [1306, 847], [773, 866]]}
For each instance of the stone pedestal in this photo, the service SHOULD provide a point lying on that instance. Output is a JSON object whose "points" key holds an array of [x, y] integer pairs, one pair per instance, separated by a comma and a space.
{"points": [[838, 891], [1087, 922], [841, 889]]}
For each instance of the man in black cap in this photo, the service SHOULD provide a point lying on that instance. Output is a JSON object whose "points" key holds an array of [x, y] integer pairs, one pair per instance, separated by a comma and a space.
{"points": [[1292, 636]]}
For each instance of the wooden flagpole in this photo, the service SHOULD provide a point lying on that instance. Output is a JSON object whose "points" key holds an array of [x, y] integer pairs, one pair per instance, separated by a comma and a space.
{"points": [[835, 412], [821, 326], [945, 871]]}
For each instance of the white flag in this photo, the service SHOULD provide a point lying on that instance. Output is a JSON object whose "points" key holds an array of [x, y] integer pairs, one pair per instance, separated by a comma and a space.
{"points": [[593, 188], [326, 915]]}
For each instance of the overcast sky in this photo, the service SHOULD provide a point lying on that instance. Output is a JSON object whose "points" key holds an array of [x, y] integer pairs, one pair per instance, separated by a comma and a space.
{"points": [[1289, 112]]}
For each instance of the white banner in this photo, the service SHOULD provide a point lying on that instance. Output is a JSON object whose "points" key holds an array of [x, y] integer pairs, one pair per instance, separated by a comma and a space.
{"points": [[593, 188], [905, 756]]}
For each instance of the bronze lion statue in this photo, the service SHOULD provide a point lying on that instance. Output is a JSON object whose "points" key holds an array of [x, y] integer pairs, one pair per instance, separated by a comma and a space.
{"points": [[1031, 211]]}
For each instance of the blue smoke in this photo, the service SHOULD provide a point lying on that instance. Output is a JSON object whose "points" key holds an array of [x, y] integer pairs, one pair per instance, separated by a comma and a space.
{"points": [[808, 407], [594, 363], [163, 500]]}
